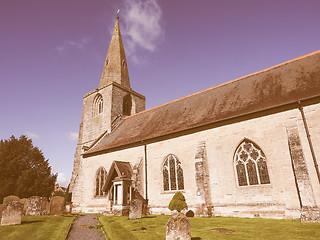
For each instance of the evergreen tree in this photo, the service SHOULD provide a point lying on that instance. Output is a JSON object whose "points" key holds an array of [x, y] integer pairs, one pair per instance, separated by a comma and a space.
{"points": [[178, 202], [24, 171]]}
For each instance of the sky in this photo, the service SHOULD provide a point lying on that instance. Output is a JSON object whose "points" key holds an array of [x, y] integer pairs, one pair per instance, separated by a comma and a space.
{"points": [[52, 53]]}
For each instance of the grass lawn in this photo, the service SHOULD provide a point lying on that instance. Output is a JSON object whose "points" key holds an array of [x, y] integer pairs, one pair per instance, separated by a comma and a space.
{"points": [[38, 227], [153, 227]]}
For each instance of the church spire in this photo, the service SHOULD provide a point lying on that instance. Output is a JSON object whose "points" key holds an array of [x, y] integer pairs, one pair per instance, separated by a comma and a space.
{"points": [[115, 67]]}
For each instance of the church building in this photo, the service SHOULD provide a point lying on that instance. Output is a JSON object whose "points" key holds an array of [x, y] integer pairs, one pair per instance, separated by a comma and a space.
{"points": [[246, 148]]}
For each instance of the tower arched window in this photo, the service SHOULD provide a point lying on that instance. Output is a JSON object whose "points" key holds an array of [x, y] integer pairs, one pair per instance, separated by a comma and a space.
{"points": [[100, 181], [127, 105], [250, 163], [172, 174], [97, 105]]}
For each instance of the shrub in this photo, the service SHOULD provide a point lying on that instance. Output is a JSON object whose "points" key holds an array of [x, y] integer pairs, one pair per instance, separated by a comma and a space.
{"points": [[178, 202]]}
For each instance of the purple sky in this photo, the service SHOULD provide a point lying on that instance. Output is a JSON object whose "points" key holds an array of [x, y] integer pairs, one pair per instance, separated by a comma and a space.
{"points": [[52, 53]]}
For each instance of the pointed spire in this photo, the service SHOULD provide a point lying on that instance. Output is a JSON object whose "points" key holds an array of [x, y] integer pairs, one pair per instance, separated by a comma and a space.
{"points": [[115, 67]]}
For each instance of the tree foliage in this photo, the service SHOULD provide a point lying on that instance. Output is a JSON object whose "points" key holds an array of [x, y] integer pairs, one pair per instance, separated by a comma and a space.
{"points": [[24, 171], [178, 202]]}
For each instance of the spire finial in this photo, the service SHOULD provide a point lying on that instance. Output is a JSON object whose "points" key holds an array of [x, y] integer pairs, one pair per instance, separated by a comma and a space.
{"points": [[118, 13]]}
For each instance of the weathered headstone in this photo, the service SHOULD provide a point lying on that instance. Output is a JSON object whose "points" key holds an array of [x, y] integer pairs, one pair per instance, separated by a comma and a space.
{"points": [[135, 209], [36, 206], [190, 213], [1, 209], [57, 205], [24, 202], [178, 227], [10, 199], [48, 207], [12, 213]]}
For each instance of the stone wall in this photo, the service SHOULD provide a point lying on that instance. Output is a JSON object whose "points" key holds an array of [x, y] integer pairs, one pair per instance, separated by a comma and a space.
{"points": [[279, 199], [93, 126]]}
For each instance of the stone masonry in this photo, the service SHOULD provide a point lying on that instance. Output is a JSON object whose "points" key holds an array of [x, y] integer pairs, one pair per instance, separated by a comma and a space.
{"points": [[12, 213]]}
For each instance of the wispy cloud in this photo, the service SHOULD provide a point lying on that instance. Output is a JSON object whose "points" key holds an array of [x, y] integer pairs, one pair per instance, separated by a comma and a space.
{"points": [[142, 23], [69, 44], [73, 136], [62, 179], [32, 135]]}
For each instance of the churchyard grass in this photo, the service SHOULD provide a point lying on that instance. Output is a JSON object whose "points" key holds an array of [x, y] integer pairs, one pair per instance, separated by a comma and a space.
{"points": [[218, 228], [38, 227]]}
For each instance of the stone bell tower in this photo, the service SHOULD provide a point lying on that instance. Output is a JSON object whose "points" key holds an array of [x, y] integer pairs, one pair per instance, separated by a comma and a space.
{"points": [[105, 107]]}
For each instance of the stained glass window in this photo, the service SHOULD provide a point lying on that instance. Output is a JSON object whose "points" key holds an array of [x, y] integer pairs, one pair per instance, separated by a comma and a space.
{"points": [[100, 181], [251, 165], [172, 174]]}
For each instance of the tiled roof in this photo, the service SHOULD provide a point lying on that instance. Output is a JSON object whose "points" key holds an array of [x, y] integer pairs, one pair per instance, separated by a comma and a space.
{"points": [[286, 83]]}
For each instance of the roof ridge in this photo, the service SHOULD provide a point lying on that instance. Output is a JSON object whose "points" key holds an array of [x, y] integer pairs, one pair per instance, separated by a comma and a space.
{"points": [[226, 83]]}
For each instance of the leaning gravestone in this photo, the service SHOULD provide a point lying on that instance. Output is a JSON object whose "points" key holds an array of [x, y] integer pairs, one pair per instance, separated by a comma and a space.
{"points": [[10, 199], [178, 227], [36, 206], [12, 213], [57, 205], [135, 209]]}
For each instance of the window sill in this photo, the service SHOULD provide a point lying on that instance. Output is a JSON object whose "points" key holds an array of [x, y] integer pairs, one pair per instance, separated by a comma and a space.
{"points": [[172, 191], [268, 185]]}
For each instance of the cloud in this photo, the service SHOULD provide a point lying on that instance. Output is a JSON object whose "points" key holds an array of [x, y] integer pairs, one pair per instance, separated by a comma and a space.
{"points": [[142, 22], [62, 179], [32, 135], [73, 136], [68, 44]]}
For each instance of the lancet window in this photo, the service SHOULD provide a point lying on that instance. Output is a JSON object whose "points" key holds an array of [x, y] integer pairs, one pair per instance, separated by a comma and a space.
{"points": [[172, 174], [100, 181], [250, 163], [127, 105], [97, 105]]}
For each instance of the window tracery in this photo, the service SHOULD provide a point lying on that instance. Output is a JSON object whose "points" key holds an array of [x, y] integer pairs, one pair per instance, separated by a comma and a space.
{"points": [[100, 181], [172, 174], [250, 163]]}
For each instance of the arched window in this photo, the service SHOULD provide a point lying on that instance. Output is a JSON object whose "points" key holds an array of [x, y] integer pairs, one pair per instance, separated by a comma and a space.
{"points": [[172, 174], [127, 105], [97, 105], [250, 163], [100, 181]]}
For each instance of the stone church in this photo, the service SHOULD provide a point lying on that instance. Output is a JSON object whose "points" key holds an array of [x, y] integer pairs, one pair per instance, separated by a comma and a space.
{"points": [[246, 148]]}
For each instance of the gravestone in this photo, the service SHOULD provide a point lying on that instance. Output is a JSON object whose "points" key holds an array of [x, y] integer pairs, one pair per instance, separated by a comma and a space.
{"points": [[48, 207], [57, 205], [24, 202], [190, 213], [36, 206], [135, 209], [10, 199], [178, 227], [1, 209], [12, 213]]}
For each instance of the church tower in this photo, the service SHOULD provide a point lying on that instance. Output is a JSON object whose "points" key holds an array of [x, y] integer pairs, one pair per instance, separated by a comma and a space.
{"points": [[105, 107]]}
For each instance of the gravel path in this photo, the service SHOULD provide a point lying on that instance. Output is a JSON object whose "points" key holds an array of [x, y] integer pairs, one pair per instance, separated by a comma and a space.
{"points": [[84, 228]]}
